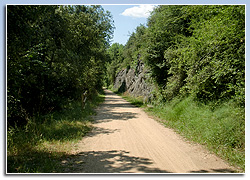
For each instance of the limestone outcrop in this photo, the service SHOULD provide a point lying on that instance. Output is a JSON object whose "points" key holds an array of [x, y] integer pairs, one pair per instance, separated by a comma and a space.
{"points": [[134, 82]]}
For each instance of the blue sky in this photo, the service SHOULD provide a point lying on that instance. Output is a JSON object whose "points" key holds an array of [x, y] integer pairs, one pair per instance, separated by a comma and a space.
{"points": [[126, 19]]}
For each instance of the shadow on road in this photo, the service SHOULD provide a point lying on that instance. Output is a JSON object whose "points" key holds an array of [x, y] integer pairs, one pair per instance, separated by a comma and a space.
{"points": [[99, 130], [107, 116], [108, 162], [110, 110]]}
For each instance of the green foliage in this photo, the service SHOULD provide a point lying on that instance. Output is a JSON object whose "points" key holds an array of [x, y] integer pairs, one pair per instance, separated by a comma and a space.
{"points": [[114, 63], [198, 50], [40, 146], [54, 54], [133, 48]]}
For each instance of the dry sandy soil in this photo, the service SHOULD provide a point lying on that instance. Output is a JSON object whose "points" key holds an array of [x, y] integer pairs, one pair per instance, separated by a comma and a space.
{"points": [[126, 140]]}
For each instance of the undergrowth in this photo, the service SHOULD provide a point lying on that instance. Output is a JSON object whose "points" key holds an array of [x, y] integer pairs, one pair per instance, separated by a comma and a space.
{"points": [[220, 128], [40, 146]]}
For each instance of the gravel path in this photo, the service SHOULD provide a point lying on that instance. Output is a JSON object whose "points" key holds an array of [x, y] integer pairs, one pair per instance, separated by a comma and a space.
{"points": [[126, 140]]}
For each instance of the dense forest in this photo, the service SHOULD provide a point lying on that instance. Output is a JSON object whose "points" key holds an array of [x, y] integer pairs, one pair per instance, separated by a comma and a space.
{"points": [[58, 55], [190, 50], [54, 54]]}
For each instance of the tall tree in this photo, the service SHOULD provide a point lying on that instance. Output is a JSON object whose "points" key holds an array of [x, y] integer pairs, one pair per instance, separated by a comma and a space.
{"points": [[54, 53]]}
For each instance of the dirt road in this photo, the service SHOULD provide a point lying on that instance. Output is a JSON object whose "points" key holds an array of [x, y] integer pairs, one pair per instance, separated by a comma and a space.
{"points": [[125, 139]]}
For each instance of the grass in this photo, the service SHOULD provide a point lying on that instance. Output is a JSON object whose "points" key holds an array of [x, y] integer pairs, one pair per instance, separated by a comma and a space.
{"points": [[137, 101], [40, 146], [220, 129]]}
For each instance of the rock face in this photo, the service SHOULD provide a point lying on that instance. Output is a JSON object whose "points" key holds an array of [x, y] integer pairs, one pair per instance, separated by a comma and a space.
{"points": [[133, 82]]}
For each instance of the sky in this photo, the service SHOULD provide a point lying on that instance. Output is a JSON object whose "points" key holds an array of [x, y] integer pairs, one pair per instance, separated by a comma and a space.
{"points": [[127, 18], [125, 23]]}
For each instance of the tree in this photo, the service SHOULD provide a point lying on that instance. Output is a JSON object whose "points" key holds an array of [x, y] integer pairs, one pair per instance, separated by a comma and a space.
{"points": [[197, 50], [54, 53], [115, 54]]}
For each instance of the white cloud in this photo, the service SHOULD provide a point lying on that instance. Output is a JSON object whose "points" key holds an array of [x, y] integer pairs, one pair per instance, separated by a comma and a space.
{"points": [[141, 11]]}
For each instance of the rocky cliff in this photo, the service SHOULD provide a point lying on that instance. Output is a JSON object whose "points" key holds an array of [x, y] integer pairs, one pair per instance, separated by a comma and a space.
{"points": [[134, 82]]}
